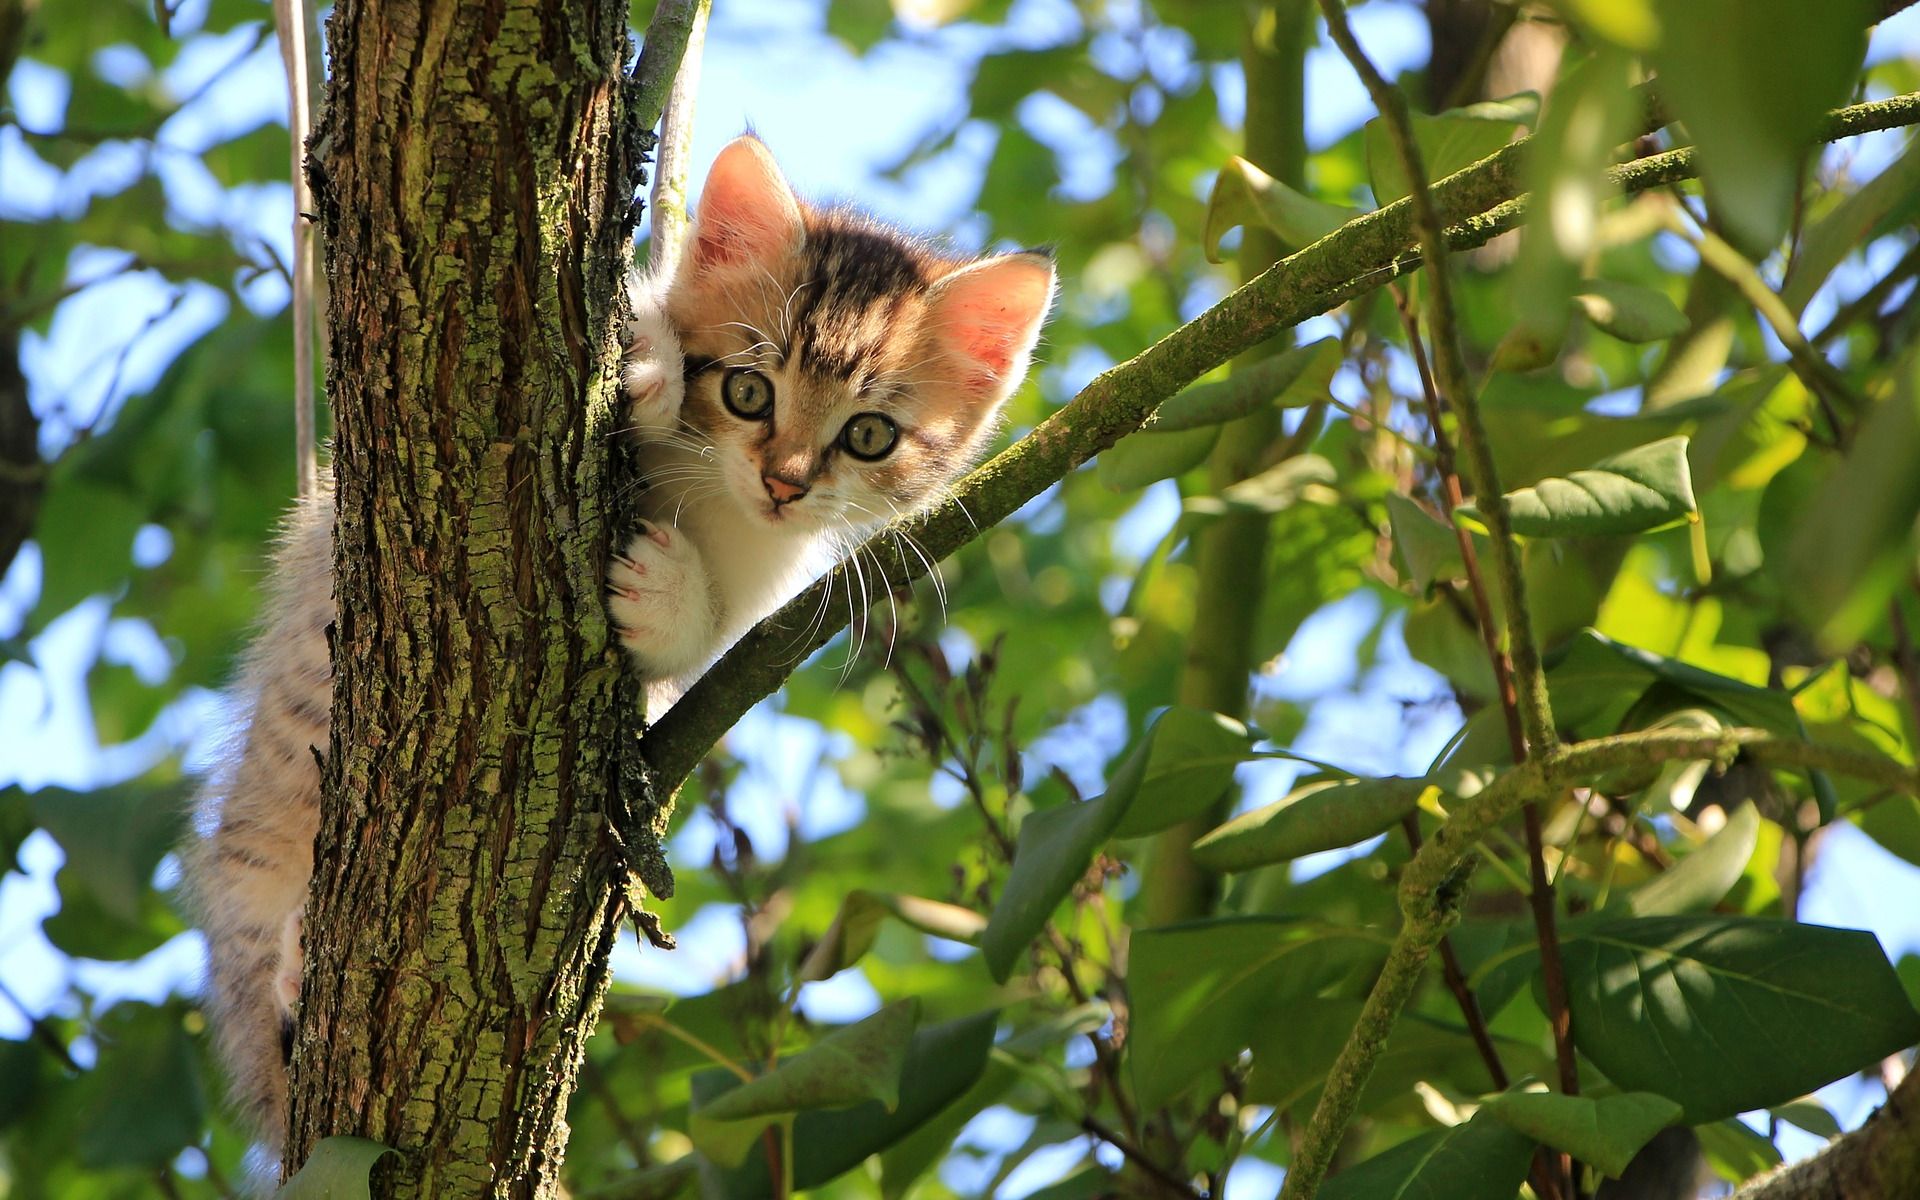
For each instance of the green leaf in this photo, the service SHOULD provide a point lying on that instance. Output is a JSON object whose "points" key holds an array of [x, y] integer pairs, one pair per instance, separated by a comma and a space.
{"points": [[1629, 311], [142, 1102], [1428, 547], [1589, 113], [1851, 543], [857, 925], [1479, 1160], [1191, 756], [908, 1158], [859, 1062], [1453, 140], [340, 1168], [1703, 878], [662, 1181], [1606, 1132], [1202, 990], [1055, 846], [1291, 379], [115, 836], [1182, 765], [1849, 225], [85, 534], [1294, 1051], [1319, 816], [1751, 80], [1642, 489], [1271, 491], [1139, 459], [21, 1066], [1715, 1012], [1811, 1116], [1735, 1150], [942, 1063], [1243, 194], [263, 154]]}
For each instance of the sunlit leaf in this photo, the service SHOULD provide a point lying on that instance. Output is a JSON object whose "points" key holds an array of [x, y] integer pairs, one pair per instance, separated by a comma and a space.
{"points": [[1751, 80], [1641, 489], [1448, 142], [1244, 194], [1701, 879], [1143, 458], [1290, 379], [1478, 1160], [1629, 311], [1673, 1005], [856, 1063], [1606, 1132], [1202, 990], [1319, 816]]}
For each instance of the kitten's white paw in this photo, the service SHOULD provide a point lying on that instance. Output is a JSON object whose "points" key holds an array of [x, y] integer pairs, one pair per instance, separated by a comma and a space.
{"points": [[661, 602], [286, 972], [653, 371]]}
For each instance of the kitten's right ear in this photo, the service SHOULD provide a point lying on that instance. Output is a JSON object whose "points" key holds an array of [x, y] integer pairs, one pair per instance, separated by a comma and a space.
{"points": [[747, 212]]}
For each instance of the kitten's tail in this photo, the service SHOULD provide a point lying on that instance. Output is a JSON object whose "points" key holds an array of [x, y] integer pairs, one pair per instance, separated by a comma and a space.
{"points": [[248, 865]]}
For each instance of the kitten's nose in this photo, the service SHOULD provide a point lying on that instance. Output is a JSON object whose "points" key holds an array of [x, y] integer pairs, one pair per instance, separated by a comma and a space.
{"points": [[783, 491]]}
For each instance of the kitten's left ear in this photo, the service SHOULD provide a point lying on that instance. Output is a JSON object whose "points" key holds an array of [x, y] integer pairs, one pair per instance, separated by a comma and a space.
{"points": [[988, 316]]}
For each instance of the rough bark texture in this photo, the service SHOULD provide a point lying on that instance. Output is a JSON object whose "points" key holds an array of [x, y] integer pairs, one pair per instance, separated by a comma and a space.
{"points": [[1878, 1161], [473, 171]]}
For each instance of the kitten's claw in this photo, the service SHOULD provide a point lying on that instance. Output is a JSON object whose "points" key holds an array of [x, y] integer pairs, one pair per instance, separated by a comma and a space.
{"points": [[661, 602]]}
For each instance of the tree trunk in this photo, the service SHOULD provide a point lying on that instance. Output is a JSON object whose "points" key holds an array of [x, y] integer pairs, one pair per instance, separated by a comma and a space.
{"points": [[473, 169]]}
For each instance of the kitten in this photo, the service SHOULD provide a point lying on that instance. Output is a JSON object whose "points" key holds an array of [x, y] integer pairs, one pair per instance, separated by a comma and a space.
{"points": [[803, 377], [837, 375]]}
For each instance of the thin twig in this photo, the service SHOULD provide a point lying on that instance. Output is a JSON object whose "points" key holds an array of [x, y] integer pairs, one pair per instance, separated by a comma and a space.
{"points": [[1821, 380], [1867, 303], [1524, 693], [290, 22], [1138, 1158], [675, 148], [42, 1032], [1456, 980]]}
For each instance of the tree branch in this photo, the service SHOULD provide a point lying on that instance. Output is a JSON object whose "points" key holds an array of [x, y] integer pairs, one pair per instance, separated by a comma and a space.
{"points": [[1367, 252], [675, 146], [1434, 883], [1878, 1161]]}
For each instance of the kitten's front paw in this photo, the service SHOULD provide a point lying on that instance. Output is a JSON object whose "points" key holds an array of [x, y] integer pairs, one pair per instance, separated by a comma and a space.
{"points": [[661, 602], [653, 370]]}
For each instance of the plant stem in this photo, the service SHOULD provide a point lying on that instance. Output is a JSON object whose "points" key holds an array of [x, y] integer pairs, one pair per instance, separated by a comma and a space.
{"points": [[290, 23], [1523, 686], [1230, 553], [676, 142], [1433, 883]]}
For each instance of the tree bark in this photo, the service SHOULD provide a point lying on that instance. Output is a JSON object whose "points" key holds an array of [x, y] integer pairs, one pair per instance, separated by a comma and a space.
{"points": [[473, 170], [1878, 1161]]}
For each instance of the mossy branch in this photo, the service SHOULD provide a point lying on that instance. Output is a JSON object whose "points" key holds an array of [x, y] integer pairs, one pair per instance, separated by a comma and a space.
{"points": [[1434, 882], [1367, 252]]}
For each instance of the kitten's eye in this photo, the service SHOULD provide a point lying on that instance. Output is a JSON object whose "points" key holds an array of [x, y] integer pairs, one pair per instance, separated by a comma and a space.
{"points": [[869, 436], [748, 394]]}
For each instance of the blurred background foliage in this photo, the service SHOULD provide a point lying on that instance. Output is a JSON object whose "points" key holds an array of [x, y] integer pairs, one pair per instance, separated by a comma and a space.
{"points": [[844, 852]]}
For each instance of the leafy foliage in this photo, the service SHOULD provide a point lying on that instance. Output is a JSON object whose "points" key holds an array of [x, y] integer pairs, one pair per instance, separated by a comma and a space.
{"points": [[1716, 535]]}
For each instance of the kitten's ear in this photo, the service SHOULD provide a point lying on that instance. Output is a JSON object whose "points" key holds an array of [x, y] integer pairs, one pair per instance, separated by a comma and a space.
{"points": [[988, 316], [747, 212]]}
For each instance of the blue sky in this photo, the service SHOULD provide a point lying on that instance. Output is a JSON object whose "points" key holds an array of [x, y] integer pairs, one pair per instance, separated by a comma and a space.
{"points": [[835, 120]]}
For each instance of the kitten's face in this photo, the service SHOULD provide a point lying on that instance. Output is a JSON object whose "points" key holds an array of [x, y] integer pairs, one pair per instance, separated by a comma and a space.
{"points": [[842, 373]]}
